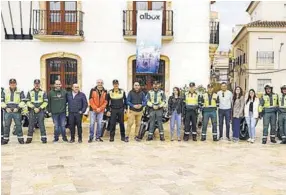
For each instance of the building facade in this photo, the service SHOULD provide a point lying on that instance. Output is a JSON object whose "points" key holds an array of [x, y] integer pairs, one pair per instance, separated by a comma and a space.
{"points": [[259, 47], [81, 41], [221, 67]]}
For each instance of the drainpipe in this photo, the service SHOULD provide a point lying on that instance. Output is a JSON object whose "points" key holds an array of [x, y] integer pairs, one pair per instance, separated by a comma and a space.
{"points": [[281, 45]]}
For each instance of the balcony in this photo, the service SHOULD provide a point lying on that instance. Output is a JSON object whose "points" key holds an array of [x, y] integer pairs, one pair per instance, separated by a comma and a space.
{"points": [[240, 60], [58, 25], [214, 32], [265, 59], [130, 25]]}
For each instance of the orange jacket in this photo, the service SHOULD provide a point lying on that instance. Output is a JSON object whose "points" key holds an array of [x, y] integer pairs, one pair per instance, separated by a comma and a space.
{"points": [[97, 101]]}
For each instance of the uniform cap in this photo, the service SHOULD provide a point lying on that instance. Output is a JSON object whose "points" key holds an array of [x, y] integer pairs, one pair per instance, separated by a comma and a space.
{"points": [[115, 81], [156, 82], [37, 81], [12, 81], [192, 84], [210, 86]]}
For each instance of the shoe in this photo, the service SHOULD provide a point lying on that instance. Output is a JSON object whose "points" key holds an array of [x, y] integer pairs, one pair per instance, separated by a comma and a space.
{"points": [[221, 138], [90, 140], [123, 139], [149, 138], [100, 140], [126, 139], [55, 140], [79, 140], [203, 138], [249, 140], [179, 139], [4, 142], [272, 140], [215, 138], [111, 139], [264, 140], [252, 141], [21, 141], [195, 138], [186, 138], [137, 139], [65, 139], [228, 139], [72, 141], [44, 141], [172, 139], [29, 140], [283, 141]]}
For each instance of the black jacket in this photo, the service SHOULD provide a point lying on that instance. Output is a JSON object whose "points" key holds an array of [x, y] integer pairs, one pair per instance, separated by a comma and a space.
{"points": [[78, 103], [175, 104]]}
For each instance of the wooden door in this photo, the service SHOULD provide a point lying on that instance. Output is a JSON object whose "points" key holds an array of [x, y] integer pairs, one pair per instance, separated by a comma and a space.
{"points": [[149, 5], [146, 79], [63, 69], [62, 18]]}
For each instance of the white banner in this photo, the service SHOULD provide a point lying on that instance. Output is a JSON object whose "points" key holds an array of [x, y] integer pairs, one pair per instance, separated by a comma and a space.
{"points": [[149, 41]]}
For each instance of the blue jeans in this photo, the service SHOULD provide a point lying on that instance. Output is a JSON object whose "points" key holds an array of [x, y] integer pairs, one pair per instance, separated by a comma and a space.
{"points": [[175, 118], [206, 116], [95, 117], [251, 122], [236, 127], [224, 114], [59, 125]]}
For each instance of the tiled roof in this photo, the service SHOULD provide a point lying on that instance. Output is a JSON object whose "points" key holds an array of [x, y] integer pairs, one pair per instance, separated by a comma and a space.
{"points": [[267, 24]]}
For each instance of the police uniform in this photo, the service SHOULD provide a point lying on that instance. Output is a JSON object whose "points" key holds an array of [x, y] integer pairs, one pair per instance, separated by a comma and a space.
{"points": [[37, 99], [116, 104], [268, 106], [2, 118], [192, 103], [12, 101], [282, 114], [156, 98], [209, 103]]}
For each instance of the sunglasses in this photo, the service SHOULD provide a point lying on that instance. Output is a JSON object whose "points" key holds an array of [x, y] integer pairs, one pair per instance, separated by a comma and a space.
{"points": [[222, 94]]}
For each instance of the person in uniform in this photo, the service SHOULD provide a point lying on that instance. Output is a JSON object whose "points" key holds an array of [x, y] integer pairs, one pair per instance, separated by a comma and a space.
{"points": [[209, 102], [191, 103], [282, 114], [116, 108], [12, 101], [156, 101], [37, 101], [2, 118], [268, 108]]}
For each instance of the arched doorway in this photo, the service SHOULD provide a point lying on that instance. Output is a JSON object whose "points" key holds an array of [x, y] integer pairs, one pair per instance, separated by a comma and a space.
{"points": [[146, 79], [62, 66]]}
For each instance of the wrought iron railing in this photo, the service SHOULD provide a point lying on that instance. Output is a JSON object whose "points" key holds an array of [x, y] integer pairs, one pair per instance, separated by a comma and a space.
{"points": [[130, 23], [214, 32], [58, 22], [265, 57]]}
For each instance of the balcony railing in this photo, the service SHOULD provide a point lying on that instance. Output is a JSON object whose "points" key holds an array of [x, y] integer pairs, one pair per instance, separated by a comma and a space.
{"points": [[130, 23], [214, 32], [240, 60], [58, 22], [265, 57]]}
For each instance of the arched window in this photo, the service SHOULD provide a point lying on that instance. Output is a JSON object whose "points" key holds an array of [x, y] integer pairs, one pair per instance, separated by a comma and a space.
{"points": [[63, 69], [146, 79]]}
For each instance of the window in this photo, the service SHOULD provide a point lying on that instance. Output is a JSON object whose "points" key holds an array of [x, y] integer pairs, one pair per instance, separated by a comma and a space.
{"points": [[265, 54], [261, 83], [284, 10]]}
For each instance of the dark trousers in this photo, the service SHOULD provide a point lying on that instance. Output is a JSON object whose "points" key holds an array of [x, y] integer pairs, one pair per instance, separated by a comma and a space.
{"points": [[75, 119], [37, 117], [236, 127], [17, 117], [191, 116], [269, 118], [2, 124], [224, 114], [117, 115]]}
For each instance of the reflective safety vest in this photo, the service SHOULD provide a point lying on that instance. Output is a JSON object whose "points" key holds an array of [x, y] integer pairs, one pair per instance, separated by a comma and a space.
{"points": [[266, 103], [156, 98], [16, 100], [191, 99], [41, 100], [280, 101], [213, 102]]}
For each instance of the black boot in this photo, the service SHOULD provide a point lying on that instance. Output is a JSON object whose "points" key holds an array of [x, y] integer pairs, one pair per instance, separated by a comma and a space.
{"points": [[44, 140], [264, 140], [79, 140], [21, 141], [123, 138], [194, 137], [272, 139], [149, 138], [203, 138], [162, 138], [215, 138], [4, 142], [29, 140], [90, 140], [111, 139], [72, 140], [186, 137], [283, 141], [65, 139]]}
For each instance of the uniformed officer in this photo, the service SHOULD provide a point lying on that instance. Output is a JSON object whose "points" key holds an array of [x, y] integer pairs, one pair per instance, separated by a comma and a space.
{"points": [[268, 106], [156, 101], [209, 102], [192, 102], [282, 114], [12, 100], [116, 107], [37, 102], [2, 118]]}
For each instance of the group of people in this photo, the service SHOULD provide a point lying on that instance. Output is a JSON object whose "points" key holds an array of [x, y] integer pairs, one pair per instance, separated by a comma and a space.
{"points": [[182, 106]]}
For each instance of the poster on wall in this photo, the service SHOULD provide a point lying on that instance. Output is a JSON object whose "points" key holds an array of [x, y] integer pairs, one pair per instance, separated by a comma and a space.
{"points": [[149, 40]]}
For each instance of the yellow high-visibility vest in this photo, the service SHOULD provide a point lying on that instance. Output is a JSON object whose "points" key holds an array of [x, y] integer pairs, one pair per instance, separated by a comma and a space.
{"points": [[16, 100], [191, 99], [160, 102], [280, 101], [213, 102], [40, 99]]}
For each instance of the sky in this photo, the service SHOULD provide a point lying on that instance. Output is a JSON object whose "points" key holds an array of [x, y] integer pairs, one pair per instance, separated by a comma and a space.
{"points": [[230, 13]]}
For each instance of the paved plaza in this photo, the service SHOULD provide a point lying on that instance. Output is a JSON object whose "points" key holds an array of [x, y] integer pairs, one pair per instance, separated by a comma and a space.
{"points": [[151, 168]]}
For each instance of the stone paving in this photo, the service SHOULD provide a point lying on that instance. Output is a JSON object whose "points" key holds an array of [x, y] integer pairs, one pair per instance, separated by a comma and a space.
{"points": [[151, 168]]}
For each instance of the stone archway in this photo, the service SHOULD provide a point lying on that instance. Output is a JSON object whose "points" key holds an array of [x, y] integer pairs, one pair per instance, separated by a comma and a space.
{"points": [[45, 57], [167, 72]]}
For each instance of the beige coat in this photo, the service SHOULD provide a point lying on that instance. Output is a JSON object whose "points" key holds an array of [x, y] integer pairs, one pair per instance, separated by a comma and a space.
{"points": [[238, 108]]}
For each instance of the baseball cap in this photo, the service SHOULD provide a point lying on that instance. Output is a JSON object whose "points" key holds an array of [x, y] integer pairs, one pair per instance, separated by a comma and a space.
{"points": [[12, 81], [37, 81], [115, 81]]}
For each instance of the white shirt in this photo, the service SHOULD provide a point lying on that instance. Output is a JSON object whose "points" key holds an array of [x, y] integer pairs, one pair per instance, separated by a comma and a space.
{"points": [[74, 94], [225, 99]]}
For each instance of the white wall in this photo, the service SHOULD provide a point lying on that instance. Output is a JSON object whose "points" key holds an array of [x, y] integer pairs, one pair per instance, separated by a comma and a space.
{"points": [[264, 11], [104, 52]]}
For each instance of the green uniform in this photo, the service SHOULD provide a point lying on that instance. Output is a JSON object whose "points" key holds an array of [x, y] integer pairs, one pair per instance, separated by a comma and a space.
{"points": [[13, 100], [282, 116], [37, 99]]}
